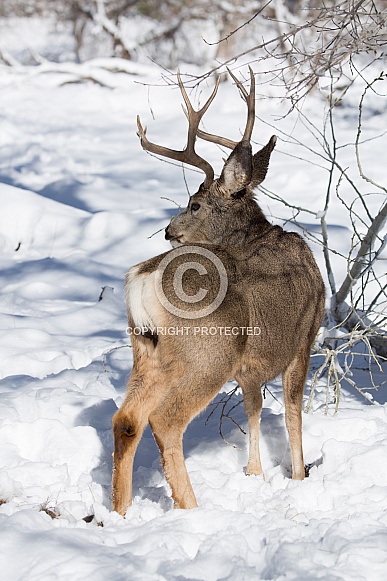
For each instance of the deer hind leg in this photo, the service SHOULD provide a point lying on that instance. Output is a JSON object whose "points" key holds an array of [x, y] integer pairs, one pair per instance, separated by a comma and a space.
{"points": [[129, 423], [252, 399], [169, 439], [168, 424], [293, 385]]}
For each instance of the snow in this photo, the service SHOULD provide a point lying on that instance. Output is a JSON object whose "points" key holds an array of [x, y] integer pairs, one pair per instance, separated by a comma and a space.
{"points": [[80, 202]]}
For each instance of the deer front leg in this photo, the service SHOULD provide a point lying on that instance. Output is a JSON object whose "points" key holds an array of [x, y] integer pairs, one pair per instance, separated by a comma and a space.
{"points": [[127, 431], [170, 442]]}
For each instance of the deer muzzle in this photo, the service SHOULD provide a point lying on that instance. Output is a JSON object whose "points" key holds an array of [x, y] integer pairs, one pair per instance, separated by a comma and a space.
{"points": [[168, 235]]}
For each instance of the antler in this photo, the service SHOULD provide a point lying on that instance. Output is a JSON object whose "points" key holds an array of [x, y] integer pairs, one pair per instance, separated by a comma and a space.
{"points": [[188, 154], [250, 100]]}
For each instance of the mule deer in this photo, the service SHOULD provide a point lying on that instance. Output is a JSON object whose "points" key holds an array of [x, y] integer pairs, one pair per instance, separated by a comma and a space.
{"points": [[245, 275]]}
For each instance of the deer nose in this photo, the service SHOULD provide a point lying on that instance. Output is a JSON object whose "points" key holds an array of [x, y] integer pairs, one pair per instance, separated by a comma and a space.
{"points": [[167, 233]]}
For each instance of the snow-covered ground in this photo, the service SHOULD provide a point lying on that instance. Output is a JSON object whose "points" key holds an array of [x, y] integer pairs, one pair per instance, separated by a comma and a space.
{"points": [[79, 203]]}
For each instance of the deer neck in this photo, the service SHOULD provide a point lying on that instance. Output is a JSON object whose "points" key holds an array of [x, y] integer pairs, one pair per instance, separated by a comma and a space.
{"points": [[246, 227]]}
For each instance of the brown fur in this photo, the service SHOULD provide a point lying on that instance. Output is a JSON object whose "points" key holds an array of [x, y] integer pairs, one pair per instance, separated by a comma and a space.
{"points": [[273, 284]]}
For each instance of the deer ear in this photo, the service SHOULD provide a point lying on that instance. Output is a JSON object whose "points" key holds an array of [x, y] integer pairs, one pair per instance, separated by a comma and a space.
{"points": [[238, 169], [261, 162]]}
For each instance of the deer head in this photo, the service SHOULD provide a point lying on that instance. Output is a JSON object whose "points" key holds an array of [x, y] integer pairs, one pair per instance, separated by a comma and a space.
{"points": [[223, 206]]}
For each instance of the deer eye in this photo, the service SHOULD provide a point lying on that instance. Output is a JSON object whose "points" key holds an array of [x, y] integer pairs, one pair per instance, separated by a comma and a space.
{"points": [[195, 207]]}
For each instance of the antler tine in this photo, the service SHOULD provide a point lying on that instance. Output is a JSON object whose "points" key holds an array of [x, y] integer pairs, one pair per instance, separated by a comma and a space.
{"points": [[188, 154], [222, 141], [250, 108], [201, 111], [190, 111], [239, 84], [250, 101], [154, 148], [194, 117]]}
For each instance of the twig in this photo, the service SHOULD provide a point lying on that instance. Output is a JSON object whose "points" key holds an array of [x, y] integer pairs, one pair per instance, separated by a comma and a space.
{"points": [[224, 401], [239, 27], [104, 357]]}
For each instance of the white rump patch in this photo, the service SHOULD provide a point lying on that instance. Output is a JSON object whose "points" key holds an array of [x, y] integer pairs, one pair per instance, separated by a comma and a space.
{"points": [[141, 298]]}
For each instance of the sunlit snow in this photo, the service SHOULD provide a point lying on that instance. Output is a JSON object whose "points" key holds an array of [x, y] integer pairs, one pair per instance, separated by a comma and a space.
{"points": [[80, 203]]}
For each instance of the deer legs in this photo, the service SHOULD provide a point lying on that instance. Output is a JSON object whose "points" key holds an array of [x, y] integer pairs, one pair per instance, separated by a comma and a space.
{"points": [[252, 398], [293, 380], [168, 428], [170, 443], [168, 412], [127, 429], [293, 387]]}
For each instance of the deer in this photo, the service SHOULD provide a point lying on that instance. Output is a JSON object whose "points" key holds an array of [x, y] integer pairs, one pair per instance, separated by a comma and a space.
{"points": [[195, 311]]}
